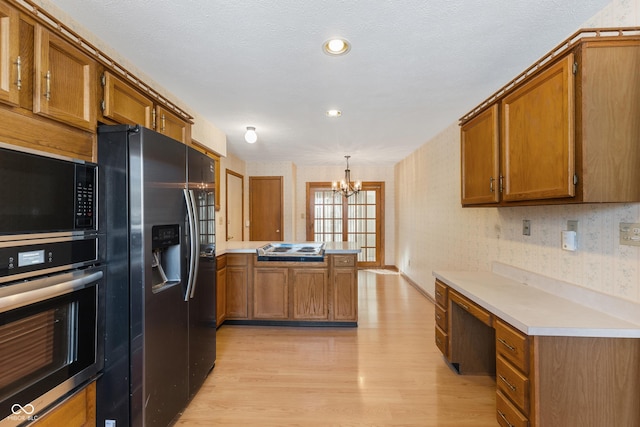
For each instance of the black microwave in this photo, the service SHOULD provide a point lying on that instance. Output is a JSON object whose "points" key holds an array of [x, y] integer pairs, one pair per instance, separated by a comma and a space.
{"points": [[45, 194]]}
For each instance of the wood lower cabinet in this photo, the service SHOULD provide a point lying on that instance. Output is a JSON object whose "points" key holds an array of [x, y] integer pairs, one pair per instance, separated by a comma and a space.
{"points": [[345, 288], [568, 132], [221, 289], [237, 286], [303, 292], [442, 318], [309, 288], [543, 380], [271, 293], [79, 410]]}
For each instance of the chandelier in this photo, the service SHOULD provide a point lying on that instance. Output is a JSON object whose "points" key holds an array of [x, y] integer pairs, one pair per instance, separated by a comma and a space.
{"points": [[345, 187]]}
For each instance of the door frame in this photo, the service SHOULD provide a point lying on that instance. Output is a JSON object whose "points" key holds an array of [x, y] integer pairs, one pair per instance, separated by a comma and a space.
{"points": [[380, 220], [226, 205]]}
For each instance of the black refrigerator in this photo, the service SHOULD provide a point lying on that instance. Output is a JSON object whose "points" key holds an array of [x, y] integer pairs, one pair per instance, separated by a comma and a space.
{"points": [[156, 207]]}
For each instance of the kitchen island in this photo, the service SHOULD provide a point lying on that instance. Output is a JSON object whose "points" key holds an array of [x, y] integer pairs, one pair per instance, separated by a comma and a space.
{"points": [[320, 292]]}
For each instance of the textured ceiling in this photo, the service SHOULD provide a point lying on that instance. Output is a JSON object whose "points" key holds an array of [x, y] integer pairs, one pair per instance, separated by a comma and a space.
{"points": [[415, 66]]}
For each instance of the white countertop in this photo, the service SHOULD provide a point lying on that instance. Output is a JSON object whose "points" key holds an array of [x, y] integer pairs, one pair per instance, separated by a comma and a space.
{"points": [[249, 247], [533, 311]]}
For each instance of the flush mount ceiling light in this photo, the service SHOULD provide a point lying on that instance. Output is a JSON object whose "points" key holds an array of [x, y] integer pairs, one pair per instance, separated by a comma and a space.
{"points": [[336, 46], [250, 135], [334, 113]]}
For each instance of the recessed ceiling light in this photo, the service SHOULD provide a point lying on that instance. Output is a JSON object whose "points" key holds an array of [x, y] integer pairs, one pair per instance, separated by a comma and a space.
{"points": [[334, 113], [336, 46]]}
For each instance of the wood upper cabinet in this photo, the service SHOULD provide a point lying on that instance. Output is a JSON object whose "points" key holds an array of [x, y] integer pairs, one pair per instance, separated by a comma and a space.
{"points": [[479, 147], [569, 130], [10, 61], [122, 103], [64, 88], [538, 154], [172, 125]]}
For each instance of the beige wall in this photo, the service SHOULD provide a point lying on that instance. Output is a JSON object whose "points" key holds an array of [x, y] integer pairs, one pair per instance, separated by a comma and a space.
{"points": [[433, 232]]}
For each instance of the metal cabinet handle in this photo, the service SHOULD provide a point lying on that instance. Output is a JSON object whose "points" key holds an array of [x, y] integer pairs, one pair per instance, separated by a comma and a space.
{"points": [[491, 180], [501, 182], [19, 77], [506, 344], [504, 380], [47, 93], [438, 317], [504, 417], [153, 119], [466, 307], [163, 123], [438, 294]]}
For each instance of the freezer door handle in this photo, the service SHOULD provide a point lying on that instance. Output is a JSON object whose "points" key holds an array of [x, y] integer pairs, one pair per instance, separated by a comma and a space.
{"points": [[194, 239]]}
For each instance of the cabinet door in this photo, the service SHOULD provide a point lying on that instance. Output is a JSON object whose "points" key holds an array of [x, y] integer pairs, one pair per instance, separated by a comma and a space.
{"points": [[221, 295], [480, 158], [271, 293], [237, 292], [10, 74], [124, 104], [345, 294], [170, 124], [78, 410], [538, 153], [64, 81], [309, 293]]}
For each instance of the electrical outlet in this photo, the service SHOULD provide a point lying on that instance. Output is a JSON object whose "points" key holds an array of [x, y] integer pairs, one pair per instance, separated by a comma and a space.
{"points": [[526, 227], [630, 233]]}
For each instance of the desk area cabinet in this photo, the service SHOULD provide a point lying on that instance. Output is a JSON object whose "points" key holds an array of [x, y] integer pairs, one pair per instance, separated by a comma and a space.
{"points": [[582, 371]]}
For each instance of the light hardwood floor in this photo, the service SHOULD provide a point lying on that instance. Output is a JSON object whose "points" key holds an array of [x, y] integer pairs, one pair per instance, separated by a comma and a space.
{"points": [[385, 372]]}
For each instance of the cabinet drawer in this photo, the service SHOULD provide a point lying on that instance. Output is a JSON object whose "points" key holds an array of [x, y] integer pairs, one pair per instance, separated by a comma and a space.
{"points": [[513, 345], [344, 260], [507, 414], [441, 294], [513, 384], [475, 310], [442, 341], [237, 259], [441, 318]]}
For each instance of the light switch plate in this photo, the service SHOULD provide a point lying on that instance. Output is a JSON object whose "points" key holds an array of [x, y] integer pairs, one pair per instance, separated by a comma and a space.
{"points": [[630, 233]]}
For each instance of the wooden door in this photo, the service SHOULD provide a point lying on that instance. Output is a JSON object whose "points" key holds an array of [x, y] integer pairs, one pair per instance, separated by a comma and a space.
{"points": [[480, 158], [235, 211], [170, 124], [266, 208], [123, 103], [65, 81], [10, 63], [538, 154]]}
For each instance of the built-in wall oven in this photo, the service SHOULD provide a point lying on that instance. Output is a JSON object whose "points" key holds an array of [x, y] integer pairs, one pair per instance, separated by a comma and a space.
{"points": [[51, 282]]}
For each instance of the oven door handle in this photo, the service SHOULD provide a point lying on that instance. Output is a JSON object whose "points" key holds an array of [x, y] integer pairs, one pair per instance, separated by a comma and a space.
{"points": [[33, 291]]}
